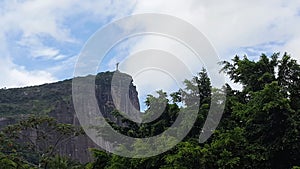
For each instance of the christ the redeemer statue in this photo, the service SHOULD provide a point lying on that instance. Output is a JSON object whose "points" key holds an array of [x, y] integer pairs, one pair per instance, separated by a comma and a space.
{"points": [[117, 66]]}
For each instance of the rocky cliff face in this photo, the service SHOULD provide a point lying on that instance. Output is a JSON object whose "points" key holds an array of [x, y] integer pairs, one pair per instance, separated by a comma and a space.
{"points": [[56, 100]]}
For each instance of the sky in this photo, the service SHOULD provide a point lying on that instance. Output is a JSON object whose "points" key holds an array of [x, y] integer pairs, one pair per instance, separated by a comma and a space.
{"points": [[40, 41]]}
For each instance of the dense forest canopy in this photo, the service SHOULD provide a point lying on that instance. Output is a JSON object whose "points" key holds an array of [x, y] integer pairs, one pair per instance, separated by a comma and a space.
{"points": [[259, 128]]}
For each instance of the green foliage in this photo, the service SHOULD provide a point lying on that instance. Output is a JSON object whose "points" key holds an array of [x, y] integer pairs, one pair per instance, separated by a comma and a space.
{"points": [[33, 100], [259, 128], [59, 162], [253, 75], [32, 142], [267, 111]]}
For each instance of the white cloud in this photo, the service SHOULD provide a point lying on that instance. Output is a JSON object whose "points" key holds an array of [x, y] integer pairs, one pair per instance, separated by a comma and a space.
{"points": [[16, 76], [233, 24], [36, 18], [37, 49], [65, 68], [46, 52], [292, 47]]}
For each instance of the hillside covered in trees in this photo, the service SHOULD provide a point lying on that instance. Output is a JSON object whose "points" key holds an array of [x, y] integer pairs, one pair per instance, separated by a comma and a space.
{"points": [[259, 127]]}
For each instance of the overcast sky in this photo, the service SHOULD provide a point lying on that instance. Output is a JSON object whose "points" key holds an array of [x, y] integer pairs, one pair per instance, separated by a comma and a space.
{"points": [[41, 39]]}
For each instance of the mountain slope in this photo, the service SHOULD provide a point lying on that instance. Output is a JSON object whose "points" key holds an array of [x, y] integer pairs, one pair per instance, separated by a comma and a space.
{"points": [[55, 100]]}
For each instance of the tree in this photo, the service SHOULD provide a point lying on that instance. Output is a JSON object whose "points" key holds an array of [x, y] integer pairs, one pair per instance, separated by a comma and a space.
{"points": [[268, 113], [252, 75], [289, 79], [260, 125], [34, 140]]}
